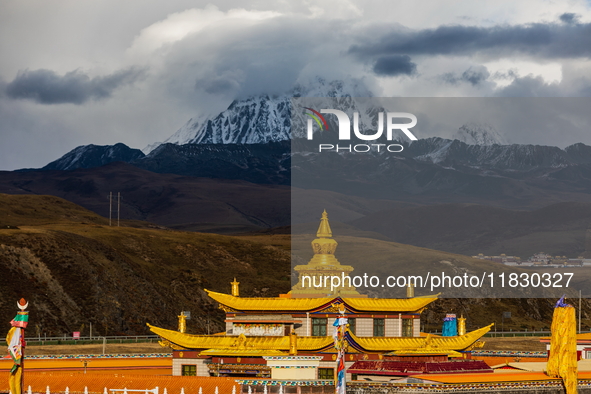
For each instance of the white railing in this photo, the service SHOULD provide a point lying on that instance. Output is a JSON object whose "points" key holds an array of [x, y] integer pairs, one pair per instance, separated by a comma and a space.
{"points": [[155, 390]]}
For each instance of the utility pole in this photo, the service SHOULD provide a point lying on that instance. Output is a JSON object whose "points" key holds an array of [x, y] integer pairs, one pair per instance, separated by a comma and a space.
{"points": [[118, 206], [110, 206]]}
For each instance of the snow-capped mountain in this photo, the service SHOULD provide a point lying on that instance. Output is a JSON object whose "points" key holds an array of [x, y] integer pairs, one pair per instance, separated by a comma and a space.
{"points": [[89, 156], [479, 134], [260, 119], [454, 154]]}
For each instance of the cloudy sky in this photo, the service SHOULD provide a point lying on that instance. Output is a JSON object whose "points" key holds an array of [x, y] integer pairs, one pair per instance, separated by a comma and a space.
{"points": [[101, 72]]}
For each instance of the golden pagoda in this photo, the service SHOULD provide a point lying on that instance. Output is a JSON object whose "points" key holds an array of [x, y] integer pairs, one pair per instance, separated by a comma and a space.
{"points": [[311, 277]]}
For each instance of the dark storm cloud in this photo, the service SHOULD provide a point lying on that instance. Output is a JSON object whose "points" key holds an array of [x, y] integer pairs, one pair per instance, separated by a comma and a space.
{"points": [[547, 40], [569, 17], [394, 65], [75, 87], [473, 76]]}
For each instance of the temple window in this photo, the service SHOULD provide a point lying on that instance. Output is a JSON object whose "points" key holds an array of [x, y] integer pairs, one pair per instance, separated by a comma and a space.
{"points": [[188, 370], [407, 327], [378, 327], [326, 373], [319, 327], [352, 325]]}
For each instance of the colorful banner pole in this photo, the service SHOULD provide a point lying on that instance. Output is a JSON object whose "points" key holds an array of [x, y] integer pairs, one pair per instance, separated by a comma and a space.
{"points": [[340, 344], [16, 348]]}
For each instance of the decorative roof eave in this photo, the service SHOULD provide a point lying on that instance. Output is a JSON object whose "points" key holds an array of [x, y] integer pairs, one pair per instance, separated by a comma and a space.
{"points": [[203, 342], [388, 344], [425, 352], [278, 305], [314, 344], [242, 352]]}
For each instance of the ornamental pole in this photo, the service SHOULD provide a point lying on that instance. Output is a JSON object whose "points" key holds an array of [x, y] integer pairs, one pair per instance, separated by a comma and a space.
{"points": [[16, 347], [340, 344]]}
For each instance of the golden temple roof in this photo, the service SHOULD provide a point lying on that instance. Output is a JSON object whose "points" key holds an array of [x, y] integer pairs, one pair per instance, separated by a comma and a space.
{"points": [[389, 304], [308, 304], [270, 303], [189, 341], [243, 345], [381, 344]]}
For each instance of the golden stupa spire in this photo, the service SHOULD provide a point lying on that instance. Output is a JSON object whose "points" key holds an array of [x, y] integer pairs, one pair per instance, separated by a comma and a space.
{"points": [[324, 245], [324, 230], [323, 264], [235, 288]]}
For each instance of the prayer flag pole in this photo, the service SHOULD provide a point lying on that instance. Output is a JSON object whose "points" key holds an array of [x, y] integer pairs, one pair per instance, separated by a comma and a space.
{"points": [[340, 344], [16, 347]]}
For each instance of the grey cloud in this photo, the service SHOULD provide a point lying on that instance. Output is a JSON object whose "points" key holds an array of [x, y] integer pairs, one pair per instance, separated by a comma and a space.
{"points": [[530, 86], [569, 17], [549, 40], [394, 65], [509, 75], [473, 75], [264, 59], [218, 85], [75, 87]]}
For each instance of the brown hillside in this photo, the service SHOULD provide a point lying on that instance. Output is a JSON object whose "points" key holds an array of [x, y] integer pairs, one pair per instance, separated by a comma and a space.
{"points": [[75, 270]]}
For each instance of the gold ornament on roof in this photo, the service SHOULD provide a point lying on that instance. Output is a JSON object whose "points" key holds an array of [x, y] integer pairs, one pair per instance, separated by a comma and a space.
{"points": [[182, 322], [461, 325], [235, 288]]}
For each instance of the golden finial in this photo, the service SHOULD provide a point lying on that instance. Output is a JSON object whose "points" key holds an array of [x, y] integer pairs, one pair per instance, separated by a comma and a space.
{"points": [[462, 325], [235, 289], [324, 230], [182, 322], [293, 343]]}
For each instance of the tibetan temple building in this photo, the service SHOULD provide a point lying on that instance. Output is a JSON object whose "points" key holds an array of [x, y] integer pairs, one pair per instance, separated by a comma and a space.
{"points": [[295, 330]]}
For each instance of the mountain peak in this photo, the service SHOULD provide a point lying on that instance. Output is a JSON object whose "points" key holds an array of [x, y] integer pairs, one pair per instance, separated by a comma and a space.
{"points": [[479, 134], [89, 156], [259, 119]]}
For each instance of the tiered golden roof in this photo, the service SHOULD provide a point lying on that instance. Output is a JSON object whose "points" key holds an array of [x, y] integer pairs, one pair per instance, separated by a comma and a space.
{"points": [[310, 304]]}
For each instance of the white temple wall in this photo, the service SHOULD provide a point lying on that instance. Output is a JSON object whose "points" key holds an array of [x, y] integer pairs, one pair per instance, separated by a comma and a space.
{"points": [[392, 327], [200, 363], [364, 327], [303, 330]]}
